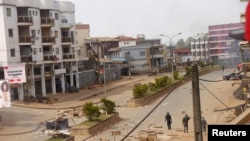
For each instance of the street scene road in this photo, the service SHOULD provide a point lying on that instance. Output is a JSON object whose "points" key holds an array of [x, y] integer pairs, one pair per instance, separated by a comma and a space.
{"points": [[23, 118]]}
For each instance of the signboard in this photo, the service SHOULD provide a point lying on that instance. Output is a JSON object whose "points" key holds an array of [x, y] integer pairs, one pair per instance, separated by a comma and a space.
{"points": [[4, 94], [15, 74], [59, 71]]}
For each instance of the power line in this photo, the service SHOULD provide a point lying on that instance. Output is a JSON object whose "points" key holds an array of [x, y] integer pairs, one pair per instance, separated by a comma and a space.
{"points": [[216, 97]]}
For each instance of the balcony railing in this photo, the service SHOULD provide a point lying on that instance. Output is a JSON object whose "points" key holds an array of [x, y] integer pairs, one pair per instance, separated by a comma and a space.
{"points": [[122, 59], [66, 40], [68, 56], [25, 39], [25, 19], [48, 40], [47, 21], [49, 57], [26, 58]]}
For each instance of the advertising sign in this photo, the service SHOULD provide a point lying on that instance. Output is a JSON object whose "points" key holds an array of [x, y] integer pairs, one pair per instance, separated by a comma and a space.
{"points": [[5, 100], [15, 74]]}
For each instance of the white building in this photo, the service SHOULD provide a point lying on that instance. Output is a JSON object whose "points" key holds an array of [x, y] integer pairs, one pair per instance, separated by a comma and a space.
{"points": [[199, 49], [41, 35]]}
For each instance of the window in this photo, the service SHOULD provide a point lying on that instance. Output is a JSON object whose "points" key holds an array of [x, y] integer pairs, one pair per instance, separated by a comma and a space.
{"points": [[57, 51], [12, 52], [40, 49], [34, 51], [142, 53], [56, 34], [56, 16], [33, 33], [8, 10], [10, 32]]}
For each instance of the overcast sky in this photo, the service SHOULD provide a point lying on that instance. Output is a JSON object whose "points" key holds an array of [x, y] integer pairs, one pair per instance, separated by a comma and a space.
{"points": [[155, 17]]}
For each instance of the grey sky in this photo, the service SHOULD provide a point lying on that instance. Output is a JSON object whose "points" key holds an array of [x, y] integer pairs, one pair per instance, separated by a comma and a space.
{"points": [[155, 17]]}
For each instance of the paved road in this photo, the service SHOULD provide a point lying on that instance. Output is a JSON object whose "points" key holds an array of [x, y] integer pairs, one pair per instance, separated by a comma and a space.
{"points": [[215, 95], [177, 103]]}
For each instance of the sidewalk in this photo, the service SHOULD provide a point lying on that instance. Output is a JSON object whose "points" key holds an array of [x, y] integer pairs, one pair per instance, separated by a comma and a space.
{"points": [[67, 101], [74, 100]]}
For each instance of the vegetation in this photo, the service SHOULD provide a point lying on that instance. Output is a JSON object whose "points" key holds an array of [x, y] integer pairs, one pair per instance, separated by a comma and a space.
{"points": [[176, 75], [108, 105], [139, 90], [188, 70], [89, 123], [187, 44], [90, 111], [162, 81], [142, 90], [56, 139], [201, 64]]}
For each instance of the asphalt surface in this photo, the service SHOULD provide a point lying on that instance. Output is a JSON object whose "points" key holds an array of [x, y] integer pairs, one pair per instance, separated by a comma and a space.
{"points": [[120, 91]]}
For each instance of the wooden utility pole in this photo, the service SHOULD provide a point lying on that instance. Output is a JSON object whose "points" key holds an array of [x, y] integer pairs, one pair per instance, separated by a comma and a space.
{"points": [[196, 104]]}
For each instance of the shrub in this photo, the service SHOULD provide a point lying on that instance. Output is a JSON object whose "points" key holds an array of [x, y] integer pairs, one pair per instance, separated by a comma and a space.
{"points": [[188, 70], [201, 64], [152, 86], [91, 111], [176, 75], [139, 90], [108, 105], [162, 81]]}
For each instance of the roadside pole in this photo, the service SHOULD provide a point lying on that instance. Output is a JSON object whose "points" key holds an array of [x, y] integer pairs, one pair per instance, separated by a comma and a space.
{"points": [[196, 104]]}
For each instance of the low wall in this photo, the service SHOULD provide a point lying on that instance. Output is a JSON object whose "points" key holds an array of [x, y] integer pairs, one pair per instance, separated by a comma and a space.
{"points": [[148, 99], [77, 130]]}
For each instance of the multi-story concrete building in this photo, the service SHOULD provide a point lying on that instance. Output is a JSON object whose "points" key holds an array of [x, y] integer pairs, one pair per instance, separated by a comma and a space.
{"points": [[40, 34], [199, 49], [82, 32], [222, 48], [138, 54]]}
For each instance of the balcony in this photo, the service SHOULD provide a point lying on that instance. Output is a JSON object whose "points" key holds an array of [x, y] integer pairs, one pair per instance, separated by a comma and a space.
{"points": [[122, 59], [68, 56], [47, 22], [156, 55], [24, 20], [26, 58], [26, 40], [49, 57], [66, 40], [48, 40]]}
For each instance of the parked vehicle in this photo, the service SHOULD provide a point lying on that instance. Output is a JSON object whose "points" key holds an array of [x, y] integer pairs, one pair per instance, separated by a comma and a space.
{"points": [[232, 76]]}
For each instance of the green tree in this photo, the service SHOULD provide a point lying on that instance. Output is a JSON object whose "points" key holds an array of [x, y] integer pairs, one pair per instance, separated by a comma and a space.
{"points": [[91, 111], [108, 105], [180, 43]]}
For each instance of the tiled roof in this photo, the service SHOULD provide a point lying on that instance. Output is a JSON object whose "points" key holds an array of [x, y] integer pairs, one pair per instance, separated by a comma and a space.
{"points": [[182, 50]]}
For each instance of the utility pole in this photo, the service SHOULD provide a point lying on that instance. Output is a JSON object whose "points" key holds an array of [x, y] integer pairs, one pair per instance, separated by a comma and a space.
{"points": [[151, 51], [196, 104], [27, 79]]}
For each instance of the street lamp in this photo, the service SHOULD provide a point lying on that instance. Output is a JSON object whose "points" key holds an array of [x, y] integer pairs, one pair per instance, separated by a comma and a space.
{"points": [[171, 50], [104, 71]]}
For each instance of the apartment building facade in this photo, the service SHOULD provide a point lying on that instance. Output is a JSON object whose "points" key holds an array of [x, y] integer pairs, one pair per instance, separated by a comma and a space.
{"points": [[222, 48], [40, 35], [199, 49]]}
